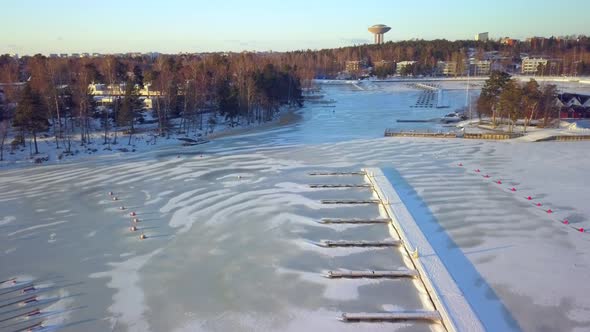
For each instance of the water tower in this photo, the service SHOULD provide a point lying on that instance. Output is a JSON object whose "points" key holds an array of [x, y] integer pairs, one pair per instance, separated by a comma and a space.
{"points": [[379, 30]]}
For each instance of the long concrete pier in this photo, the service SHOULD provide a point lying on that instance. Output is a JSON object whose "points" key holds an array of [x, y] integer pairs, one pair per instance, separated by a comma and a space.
{"points": [[456, 314]]}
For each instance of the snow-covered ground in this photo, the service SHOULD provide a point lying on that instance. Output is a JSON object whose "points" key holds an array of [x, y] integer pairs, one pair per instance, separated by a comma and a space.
{"points": [[146, 138], [229, 225]]}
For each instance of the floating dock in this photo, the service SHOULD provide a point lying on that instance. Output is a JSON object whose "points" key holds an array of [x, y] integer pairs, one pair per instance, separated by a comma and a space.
{"points": [[445, 304], [451, 308]]}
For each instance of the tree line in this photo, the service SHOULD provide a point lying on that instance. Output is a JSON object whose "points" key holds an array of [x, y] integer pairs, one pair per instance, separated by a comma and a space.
{"points": [[572, 54], [41, 94], [242, 86], [504, 98]]}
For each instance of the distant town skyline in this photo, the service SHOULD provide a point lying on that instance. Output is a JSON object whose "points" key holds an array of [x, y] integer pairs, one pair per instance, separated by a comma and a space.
{"points": [[110, 26]]}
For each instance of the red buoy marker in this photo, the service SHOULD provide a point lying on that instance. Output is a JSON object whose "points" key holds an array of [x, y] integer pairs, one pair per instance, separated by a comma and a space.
{"points": [[499, 182], [513, 189], [477, 170], [566, 222], [549, 211], [538, 204], [529, 198], [581, 230], [486, 176], [460, 165]]}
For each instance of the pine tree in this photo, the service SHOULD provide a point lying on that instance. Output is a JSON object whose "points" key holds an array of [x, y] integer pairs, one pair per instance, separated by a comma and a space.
{"points": [[490, 93], [31, 115], [510, 101], [547, 103], [530, 101], [130, 105]]}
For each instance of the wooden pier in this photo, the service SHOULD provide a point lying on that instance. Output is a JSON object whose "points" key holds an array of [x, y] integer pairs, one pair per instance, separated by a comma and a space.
{"points": [[336, 173], [491, 136], [392, 316], [372, 274], [345, 243], [350, 201], [412, 133], [340, 186], [566, 138], [354, 221]]}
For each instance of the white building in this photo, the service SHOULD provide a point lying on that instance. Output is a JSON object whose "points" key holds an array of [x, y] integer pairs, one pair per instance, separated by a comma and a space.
{"points": [[399, 67], [354, 66], [531, 65], [446, 68], [482, 36], [479, 67], [104, 93]]}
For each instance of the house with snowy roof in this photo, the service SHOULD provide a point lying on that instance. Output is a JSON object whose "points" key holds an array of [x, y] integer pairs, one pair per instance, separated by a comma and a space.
{"points": [[573, 105]]}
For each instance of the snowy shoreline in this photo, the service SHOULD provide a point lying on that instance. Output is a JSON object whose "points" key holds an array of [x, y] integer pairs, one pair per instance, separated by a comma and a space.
{"points": [[145, 140]]}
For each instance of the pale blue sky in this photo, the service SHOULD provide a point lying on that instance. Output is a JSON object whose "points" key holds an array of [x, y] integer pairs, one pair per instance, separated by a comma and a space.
{"points": [[53, 26]]}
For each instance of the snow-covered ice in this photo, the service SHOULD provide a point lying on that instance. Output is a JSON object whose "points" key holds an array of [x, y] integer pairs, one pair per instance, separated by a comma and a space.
{"points": [[229, 250]]}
